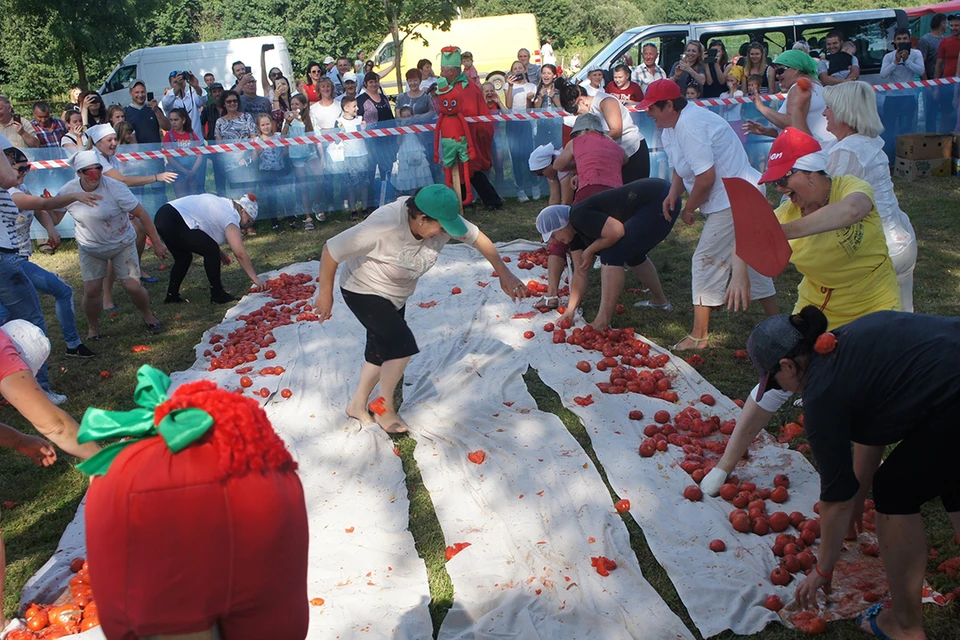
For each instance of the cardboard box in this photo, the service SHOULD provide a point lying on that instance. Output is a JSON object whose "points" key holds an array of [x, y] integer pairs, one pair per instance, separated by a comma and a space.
{"points": [[916, 169], [925, 146]]}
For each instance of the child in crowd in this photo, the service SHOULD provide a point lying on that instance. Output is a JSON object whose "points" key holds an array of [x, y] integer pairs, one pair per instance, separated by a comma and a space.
{"points": [[732, 112], [191, 169], [693, 92], [466, 58], [754, 83], [849, 47], [594, 82], [411, 170], [304, 158], [355, 158], [492, 98], [270, 161]]}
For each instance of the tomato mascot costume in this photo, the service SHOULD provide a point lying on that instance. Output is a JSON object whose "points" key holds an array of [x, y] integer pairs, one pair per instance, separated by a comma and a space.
{"points": [[453, 137], [196, 518]]}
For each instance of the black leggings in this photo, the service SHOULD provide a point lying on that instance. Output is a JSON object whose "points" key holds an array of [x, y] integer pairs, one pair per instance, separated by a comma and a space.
{"points": [[183, 242], [388, 336], [920, 468]]}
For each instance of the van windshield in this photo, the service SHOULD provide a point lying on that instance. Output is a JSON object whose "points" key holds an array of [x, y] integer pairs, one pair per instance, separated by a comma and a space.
{"points": [[120, 78]]}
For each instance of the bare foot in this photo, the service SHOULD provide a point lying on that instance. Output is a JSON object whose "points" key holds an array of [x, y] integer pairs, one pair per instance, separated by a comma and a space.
{"points": [[359, 413], [600, 324], [391, 422]]}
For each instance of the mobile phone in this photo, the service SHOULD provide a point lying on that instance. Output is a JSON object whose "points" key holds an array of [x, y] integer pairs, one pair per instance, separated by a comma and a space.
{"points": [[904, 46], [247, 70], [149, 96]]}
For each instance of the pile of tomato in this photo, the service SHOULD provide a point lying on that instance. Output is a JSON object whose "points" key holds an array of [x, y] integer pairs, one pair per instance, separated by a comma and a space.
{"points": [[530, 259], [76, 613], [290, 304]]}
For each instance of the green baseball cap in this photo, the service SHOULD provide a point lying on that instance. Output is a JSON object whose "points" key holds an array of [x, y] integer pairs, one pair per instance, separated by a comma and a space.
{"points": [[440, 202], [796, 59]]}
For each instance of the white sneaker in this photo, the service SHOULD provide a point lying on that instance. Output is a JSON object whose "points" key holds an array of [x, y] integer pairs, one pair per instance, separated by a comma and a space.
{"points": [[56, 398], [521, 196], [535, 192]]}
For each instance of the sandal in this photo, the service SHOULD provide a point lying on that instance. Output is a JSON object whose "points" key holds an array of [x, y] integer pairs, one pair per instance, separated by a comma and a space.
{"points": [[154, 327], [47, 248], [698, 341], [547, 302], [870, 616]]}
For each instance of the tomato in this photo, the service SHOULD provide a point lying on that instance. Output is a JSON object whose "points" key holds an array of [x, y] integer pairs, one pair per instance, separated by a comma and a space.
{"points": [[76, 564], [83, 575], [717, 546], [246, 382], [740, 354], [140, 348], [38, 620], [791, 563], [105, 375], [779, 495], [761, 527], [317, 602], [584, 401], [707, 399], [773, 603], [803, 84], [584, 366], [662, 416], [528, 335], [741, 523], [741, 500], [90, 623], [780, 577], [621, 308], [648, 448], [779, 521], [622, 505], [270, 355], [565, 323], [286, 393], [728, 491], [456, 291], [781, 481], [477, 457], [693, 493], [264, 392]]}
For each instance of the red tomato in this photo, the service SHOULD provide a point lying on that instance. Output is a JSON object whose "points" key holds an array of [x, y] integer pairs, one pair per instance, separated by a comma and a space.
{"points": [[779, 495], [477, 457], [286, 393], [693, 493], [270, 355], [636, 414], [779, 521], [707, 399], [264, 392], [622, 505], [741, 523], [761, 527], [717, 546], [528, 335], [245, 382], [38, 620], [796, 519], [565, 324], [76, 564], [548, 327], [584, 366], [773, 603], [621, 308], [740, 354], [791, 563], [803, 84], [780, 577], [648, 448], [662, 416], [728, 491], [455, 291], [781, 481], [105, 375], [826, 343]]}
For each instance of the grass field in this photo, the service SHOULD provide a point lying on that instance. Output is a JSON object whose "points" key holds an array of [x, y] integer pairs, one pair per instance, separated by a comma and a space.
{"points": [[47, 498]]}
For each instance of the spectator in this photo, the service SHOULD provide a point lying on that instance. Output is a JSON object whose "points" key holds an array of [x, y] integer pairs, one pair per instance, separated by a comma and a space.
{"points": [[648, 70], [852, 117], [367, 67], [755, 85], [305, 158], [533, 70], [74, 103], [239, 70], [468, 69], [520, 133], [18, 131], [268, 79], [714, 66], [271, 163], [546, 52], [105, 236], [208, 80], [43, 280], [115, 115], [412, 169], [314, 74], [692, 92], [702, 149], [186, 94], [947, 54], [575, 62], [690, 69], [350, 158], [281, 100], [547, 96], [93, 110], [199, 224], [801, 45], [330, 68], [374, 108], [732, 112], [250, 102], [189, 169], [208, 123], [622, 87], [358, 63], [839, 66], [75, 138], [48, 130], [594, 82], [482, 132], [415, 97], [428, 81], [617, 123], [325, 111], [125, 133], [756, 64], [231, 126], [929, 46], [492, 97], [343, 67], [903, 64], [803, 109], [349, 87], [146, 116]]}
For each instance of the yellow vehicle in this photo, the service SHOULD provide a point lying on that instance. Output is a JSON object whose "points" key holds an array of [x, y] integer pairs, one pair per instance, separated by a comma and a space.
{"points": [[493, 41]]}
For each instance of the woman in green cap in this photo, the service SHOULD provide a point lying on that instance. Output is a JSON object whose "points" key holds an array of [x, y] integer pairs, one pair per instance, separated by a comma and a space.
{"points": [[803, 109], [383, 258]]}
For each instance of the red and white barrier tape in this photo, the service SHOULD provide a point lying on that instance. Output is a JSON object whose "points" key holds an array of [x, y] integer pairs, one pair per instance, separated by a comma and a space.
{"points": [[258, 143]]}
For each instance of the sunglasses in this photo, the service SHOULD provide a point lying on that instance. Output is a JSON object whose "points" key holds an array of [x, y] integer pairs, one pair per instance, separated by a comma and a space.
{"points": [[22, 170], [233, 101], [779, 71], [92, 171], [313, 71], [782, 182], [276, 76]]}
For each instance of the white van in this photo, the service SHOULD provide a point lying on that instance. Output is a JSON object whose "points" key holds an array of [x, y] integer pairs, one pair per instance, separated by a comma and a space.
{"points": [[871, 32], [154, 65]]}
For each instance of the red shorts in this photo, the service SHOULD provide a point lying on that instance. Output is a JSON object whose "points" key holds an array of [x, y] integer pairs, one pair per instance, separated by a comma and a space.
{"points": [[173, 550]]}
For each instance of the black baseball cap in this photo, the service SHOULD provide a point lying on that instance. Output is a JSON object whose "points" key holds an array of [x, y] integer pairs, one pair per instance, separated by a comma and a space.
{"points": [[772, 340]]}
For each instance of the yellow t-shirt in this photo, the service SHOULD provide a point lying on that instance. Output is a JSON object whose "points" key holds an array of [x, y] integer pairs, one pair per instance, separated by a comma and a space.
{"points": [[847, 273]]}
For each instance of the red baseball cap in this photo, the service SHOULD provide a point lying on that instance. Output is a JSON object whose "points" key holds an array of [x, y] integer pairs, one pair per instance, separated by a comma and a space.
{"points": [[659, 91], [787, 151]]}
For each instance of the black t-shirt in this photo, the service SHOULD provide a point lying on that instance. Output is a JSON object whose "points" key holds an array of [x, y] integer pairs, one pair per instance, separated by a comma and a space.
{"points": [[715, 88], [384, 113], [145, 125], [622, 203], [838, 62], [890, 375]]}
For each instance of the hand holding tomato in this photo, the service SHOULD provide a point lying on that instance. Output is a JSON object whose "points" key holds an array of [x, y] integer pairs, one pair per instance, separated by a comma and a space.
{"points": [[258, 284], [807, 591], [160, 250], [323, 305]]}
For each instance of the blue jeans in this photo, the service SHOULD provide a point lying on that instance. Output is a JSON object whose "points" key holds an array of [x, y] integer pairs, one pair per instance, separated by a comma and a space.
{"points": [[19, 297], [48, 283]]}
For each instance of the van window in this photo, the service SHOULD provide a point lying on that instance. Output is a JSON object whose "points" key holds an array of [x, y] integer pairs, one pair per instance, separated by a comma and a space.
{"points": [[387, 54], [871, 38], [121, 78], [669, 48], [773, 39]]}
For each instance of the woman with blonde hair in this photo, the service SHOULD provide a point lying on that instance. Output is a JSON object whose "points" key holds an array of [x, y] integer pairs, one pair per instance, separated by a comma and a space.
{"points": [[690, 68], [852, 117], [756, 63]]}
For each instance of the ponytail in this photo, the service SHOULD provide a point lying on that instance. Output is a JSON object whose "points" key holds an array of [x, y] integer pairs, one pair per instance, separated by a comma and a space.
{"points": [[811, 323], [569, 94]]}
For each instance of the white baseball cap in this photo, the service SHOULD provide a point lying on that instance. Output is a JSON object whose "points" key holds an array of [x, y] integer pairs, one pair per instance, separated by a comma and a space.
{"points": [[32, 345], [328, 60], [248, 202], [349, 76]]}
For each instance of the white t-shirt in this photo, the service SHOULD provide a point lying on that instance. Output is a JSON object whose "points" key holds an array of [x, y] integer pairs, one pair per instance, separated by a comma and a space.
{"points": [[208, 213], [106, 225], [630, 136], [519, 95], [324, 117], [591, 90], [816, 121], [863, 157], [546, 52], [380, 256], [105, 162], [23, 224], [700, 140]]}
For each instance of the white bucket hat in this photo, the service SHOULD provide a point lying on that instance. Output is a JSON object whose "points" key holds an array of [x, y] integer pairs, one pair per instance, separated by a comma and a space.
{"points": [[248, 202]]}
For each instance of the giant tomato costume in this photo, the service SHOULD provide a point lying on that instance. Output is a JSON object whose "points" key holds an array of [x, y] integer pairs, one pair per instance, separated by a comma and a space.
{"points": [[453, 145], [197, 519], [472, 104]]}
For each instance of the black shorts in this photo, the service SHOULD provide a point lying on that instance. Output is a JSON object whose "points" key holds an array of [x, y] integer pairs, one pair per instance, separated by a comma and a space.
{"points": [[388, 336], [638, 165], [920, 468]]}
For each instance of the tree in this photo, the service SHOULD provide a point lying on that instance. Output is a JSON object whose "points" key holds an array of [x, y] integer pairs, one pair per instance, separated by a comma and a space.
{"points": [[410, 14]]}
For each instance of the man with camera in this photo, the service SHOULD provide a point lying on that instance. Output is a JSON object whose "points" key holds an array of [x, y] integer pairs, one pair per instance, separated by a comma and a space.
{"points": [[185, 93], [18, 131], [903, 64]]}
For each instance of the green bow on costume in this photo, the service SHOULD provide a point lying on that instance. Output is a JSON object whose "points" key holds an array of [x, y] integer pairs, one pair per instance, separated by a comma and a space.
{"points": [[179, 428]]}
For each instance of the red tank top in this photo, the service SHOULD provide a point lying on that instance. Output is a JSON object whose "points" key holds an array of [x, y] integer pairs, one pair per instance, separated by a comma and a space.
{"points": [[599, 161]]}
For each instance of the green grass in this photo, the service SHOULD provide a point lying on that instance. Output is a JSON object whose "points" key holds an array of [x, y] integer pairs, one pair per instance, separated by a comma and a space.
{"points": [[48, 497]]}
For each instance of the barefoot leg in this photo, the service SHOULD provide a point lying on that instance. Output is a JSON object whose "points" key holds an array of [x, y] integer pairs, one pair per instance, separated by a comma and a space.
{"points": [[390, 374], [369, 376]]}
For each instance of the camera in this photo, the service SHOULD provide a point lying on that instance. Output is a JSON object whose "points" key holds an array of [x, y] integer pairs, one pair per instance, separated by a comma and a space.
{"points": [[712, 55], [149, 96]]}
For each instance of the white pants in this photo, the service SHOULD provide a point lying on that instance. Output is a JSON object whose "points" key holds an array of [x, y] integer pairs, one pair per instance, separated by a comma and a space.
{"points": [[713, 263], [904, 264]]}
